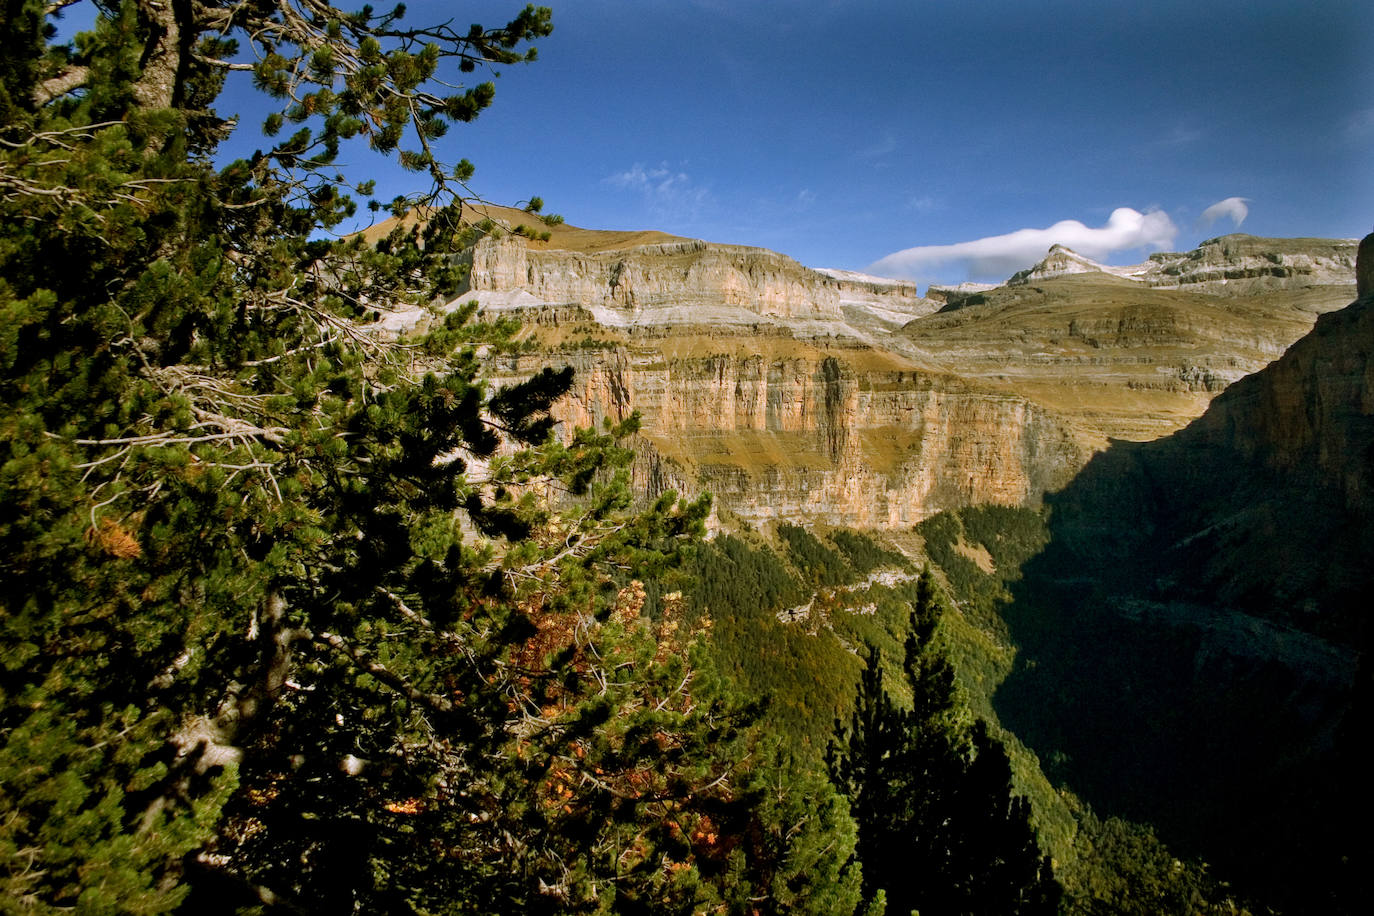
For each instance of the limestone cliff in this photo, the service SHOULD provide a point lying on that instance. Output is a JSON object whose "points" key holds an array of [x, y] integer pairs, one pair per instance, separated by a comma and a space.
{"points": [[680, 282], [1196, 633], [1117, 358], [1311, 413], [1243, 264], [822, 436], [1230, 265], [1062, 261], [1261, 504], [825, 395]]}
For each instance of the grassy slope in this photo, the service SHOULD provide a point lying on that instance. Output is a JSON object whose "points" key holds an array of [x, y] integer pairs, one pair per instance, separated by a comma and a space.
{"points": [[1121, 359]]}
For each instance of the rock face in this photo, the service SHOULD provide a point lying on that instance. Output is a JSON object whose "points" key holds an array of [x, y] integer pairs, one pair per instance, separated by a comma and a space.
{"points": [[1117, 358], [1197, 633], [1310, 415], [682, 282], [1231, 265], [956, 295], [1364, 269], [824, 438], [822, 395], [1242, 264], [1061, 261], [1260, 504]]}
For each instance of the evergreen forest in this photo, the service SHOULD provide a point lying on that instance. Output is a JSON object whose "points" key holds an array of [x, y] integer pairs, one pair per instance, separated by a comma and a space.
{"points": [[300, 616]]}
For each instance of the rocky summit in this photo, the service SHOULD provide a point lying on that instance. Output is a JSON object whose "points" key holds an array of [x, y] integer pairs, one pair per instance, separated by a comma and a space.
{"points": [[806, 395], [823, 395]]}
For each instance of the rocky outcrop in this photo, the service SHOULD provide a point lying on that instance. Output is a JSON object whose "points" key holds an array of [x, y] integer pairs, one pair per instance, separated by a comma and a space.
{"points": [[675, 282], [826, 395], [1243, 264], [1310, 415], [818, 437], [688, 282], [1196, 633], [1364, 267], [958, 295], [1060, 261], [1260, 504], [1229, 265]]}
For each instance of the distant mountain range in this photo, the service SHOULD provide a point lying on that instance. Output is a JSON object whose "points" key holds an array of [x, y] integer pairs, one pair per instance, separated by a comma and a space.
{"points": [[1191, 646], [823, 395]]}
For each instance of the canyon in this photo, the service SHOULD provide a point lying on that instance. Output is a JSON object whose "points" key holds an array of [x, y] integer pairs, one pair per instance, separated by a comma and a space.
{"points": [[826, 396]]}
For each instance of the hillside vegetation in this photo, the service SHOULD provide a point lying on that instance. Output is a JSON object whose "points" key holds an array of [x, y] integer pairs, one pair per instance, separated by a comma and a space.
{"points": [[302, 616], [329, 588]]}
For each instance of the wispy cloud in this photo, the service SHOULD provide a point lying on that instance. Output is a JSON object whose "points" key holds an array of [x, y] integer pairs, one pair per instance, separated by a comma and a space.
{"points": [[1233, 208], [1179, 135], [1360, 125], [924, 203], [998, 256], [668, 192], [878, 148]]}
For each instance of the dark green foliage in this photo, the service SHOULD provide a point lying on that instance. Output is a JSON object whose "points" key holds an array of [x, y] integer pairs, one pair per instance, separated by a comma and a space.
{"points": [[290, 622], [741, 588], [940, 830], [785, 641], [864, 554], [1129, 872], [818, 564], [1009, 535], [729, 571]]}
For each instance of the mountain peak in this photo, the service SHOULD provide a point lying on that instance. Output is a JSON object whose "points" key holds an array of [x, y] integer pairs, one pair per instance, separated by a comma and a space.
{"points": [[1059, 261], [1235, 264]]}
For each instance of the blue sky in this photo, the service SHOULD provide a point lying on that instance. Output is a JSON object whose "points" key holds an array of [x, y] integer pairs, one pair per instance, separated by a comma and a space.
{"points": [[843, 132]]}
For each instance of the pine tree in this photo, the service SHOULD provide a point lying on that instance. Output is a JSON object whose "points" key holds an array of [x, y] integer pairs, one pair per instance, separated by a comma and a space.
{"points": [[299, 616], [939, 828]]}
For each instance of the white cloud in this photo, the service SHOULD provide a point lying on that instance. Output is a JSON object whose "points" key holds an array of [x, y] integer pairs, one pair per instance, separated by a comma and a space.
{"points": [[999, 256], [661, 180], [1233, 208], [1179, 135], [924, 204], [878, 149], [669, 193], [1360, 125]]}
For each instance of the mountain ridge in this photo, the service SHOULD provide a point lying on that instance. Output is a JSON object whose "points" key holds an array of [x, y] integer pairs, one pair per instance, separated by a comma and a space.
{"points": [[1235, 264], [1195, 634], [803, 395]]}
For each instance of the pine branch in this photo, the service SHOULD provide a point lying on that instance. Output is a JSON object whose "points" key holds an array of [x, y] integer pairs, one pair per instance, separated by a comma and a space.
{"points": [[360, 659], [69, 80]]}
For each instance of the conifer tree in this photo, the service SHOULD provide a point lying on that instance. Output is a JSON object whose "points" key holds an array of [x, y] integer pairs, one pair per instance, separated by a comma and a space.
{"points": [[299, 616], [939, 828]]}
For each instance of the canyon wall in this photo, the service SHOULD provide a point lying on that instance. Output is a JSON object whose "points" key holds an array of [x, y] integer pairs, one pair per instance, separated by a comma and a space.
{"points": [[836, 397], [679, 282], [1241, 264], [1310, 414], [818, 438]]}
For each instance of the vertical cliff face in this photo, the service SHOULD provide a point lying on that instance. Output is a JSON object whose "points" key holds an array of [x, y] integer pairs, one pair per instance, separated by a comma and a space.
{"points": [[623, 285], [818, 436], [794, 417], [1196, 634], [1364, 267], [687, 282], [812, 395], [1310, 415], [1243, 264]]}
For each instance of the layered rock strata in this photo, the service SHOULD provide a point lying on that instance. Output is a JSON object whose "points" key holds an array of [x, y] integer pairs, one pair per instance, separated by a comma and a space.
{"points": [[1229, 265], [819, 437], [1242, 264], [833, 396], [686, 282]]}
